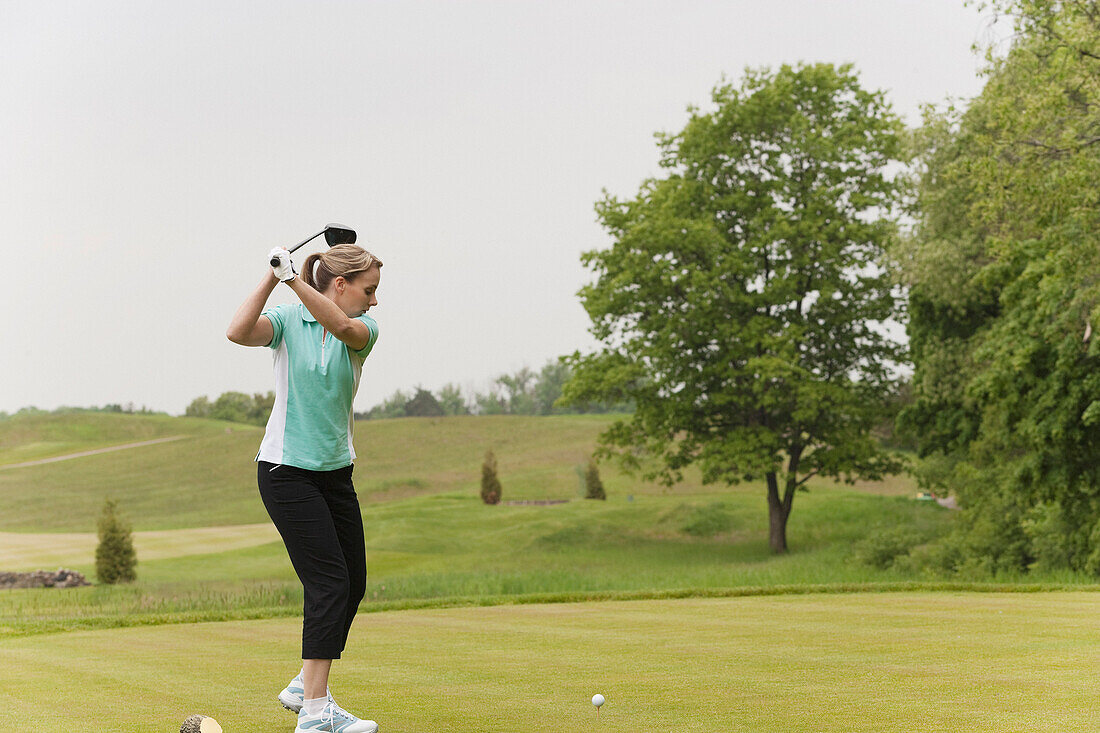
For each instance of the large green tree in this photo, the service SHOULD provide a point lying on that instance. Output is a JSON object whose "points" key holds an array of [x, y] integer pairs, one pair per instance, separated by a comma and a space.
{"points": [[1003, 274], [740, 306]]}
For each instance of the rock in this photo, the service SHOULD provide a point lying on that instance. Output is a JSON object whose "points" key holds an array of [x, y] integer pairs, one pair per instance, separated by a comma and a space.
{"points": [[200, 724], [62, 578]]}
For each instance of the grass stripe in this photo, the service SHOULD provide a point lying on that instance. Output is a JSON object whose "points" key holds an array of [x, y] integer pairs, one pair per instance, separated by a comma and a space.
{"points": [[249, 613]]}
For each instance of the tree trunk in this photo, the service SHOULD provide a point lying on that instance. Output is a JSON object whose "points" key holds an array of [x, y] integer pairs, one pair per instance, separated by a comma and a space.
{"points": [[778, 511]]}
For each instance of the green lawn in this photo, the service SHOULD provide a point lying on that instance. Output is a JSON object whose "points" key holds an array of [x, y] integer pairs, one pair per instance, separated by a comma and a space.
{"points": [[849, 662]]}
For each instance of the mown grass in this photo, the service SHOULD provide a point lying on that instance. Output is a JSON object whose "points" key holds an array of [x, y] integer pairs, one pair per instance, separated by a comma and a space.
{"points": [[898, 661], [33, 437]]}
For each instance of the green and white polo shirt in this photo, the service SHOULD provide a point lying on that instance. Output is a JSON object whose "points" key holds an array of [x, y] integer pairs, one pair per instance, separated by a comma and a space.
{"points": [[316, 377]]}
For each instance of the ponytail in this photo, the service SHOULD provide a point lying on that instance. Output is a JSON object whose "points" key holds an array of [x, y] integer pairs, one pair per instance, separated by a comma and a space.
{"points": [[309, 267], [342, 260]]}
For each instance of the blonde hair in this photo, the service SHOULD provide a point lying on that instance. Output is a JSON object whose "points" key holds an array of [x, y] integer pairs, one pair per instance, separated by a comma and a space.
{"points": [[342, 260]]}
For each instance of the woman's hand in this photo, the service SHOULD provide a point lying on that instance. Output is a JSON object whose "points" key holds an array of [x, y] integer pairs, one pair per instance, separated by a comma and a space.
{"points": [[284, 270]]}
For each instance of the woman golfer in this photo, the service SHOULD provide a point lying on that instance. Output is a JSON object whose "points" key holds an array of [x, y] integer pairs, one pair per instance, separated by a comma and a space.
{"points": [[305, 459]]}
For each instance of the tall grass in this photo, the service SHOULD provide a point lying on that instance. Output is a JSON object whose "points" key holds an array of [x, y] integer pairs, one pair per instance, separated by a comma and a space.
{"points": [[452, 546]]}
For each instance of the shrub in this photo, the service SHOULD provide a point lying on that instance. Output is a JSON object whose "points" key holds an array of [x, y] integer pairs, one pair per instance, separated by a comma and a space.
{"points": [[115, 559], [593, 486], [1062, 537], [490, 484], [988, 539], [883, 548], [1049, 537]]}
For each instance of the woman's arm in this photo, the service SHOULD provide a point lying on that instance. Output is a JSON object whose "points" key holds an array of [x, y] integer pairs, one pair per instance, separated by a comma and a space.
{"points": [[248, 327], [351, 331]]}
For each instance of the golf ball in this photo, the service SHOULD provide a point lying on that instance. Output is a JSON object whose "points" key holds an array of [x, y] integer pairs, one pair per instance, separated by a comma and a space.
{"points": [[597, 700]]}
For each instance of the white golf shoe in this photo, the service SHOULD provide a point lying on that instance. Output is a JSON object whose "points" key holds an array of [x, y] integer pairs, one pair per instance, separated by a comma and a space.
{"points": [[293, 694], [333, 719]]}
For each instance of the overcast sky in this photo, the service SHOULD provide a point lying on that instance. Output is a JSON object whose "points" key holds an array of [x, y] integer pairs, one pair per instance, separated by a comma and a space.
{"points": [[152, 154]]}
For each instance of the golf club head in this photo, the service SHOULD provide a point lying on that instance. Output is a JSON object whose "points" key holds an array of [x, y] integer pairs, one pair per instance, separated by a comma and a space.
{"points": [[334, 234], [339, 234]]}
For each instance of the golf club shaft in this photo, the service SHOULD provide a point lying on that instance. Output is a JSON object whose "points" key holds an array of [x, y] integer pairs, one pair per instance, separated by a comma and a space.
{"points": [[275, 260]]}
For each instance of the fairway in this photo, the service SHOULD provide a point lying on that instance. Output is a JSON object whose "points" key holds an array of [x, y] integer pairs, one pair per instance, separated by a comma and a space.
{"points": [[27, 551], [859, 662]]}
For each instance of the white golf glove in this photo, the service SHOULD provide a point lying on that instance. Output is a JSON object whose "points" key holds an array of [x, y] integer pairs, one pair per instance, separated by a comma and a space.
{"points": [[285, 269]]}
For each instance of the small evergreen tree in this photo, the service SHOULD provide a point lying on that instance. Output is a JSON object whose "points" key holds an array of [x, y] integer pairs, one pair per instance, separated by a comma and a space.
{"points": [[593, 486], [490, 484], [115, 559]]}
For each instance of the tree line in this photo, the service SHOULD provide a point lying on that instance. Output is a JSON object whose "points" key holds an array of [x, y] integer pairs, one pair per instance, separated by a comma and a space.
{"points": [[1003, 275], [234, 407], [128, 408], [525, 392]]}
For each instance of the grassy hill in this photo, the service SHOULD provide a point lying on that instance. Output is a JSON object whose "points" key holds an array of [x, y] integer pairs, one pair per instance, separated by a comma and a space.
{"points": [[445, 548], [34, 437], [207, 478], [428, 535]]}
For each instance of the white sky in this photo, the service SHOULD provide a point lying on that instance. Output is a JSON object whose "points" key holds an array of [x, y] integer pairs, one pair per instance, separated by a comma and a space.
{"points": [[152, 153]]}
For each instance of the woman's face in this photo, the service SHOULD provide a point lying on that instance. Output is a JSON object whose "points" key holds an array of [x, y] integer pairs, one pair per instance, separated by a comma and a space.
{"points": [[356, 296]]}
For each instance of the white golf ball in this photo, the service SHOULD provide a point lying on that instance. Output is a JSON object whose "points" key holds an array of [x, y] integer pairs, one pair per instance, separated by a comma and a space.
{"points": [[597, 700]]}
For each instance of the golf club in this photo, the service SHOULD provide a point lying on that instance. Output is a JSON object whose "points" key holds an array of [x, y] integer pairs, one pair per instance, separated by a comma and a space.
{"points": [[334, 234]]}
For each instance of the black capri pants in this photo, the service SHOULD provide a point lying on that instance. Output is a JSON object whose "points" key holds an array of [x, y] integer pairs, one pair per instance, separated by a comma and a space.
{"points": [[317, 514]]}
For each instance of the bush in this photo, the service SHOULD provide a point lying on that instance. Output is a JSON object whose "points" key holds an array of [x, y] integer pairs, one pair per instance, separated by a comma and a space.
{"points": [[593, 486], [988, 538], [883, 548], [115, 559], [490, 484], [1049, 537]]}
